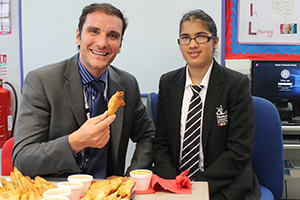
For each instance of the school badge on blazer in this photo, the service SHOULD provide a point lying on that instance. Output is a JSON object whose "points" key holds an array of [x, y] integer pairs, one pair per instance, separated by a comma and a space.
{"points": [[222, 116]]}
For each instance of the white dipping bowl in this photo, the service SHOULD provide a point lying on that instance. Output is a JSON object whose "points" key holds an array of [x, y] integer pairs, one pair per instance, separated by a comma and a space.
{"points": [[65, 192], [142, 178], [84, 178], [76, 188]]}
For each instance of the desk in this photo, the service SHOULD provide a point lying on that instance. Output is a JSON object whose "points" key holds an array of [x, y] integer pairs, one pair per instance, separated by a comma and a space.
{"points": [[291, 151], [200, 191]]}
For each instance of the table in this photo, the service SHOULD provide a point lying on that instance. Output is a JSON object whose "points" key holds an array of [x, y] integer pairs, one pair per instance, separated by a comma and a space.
{"points": [[200, 191]]}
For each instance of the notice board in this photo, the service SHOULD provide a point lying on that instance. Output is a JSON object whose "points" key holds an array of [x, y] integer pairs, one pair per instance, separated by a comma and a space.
{"points": [[257, 30]]}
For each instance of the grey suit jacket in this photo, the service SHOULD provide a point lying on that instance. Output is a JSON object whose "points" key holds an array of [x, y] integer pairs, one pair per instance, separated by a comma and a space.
{"points": [[52, 107], [227, 149]]}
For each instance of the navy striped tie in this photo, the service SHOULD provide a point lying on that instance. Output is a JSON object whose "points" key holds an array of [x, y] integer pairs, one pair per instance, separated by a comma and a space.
{"points": [[96, 164], [99, 101], [190, 157]]}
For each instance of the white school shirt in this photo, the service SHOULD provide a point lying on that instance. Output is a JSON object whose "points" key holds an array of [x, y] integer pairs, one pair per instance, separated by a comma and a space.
{"points": [[188, 93]]}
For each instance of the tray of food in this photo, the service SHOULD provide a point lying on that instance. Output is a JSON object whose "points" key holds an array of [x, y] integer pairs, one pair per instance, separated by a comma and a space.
{"points": [[22, 187]]}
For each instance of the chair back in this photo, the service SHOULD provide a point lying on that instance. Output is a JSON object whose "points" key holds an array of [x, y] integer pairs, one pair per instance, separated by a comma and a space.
{"points": [[151, 105], [267, 157], [6, 157]]}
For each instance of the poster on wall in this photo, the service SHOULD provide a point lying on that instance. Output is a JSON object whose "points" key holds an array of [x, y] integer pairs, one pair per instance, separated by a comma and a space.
{"points": [[278, 25], [262, 30], [5, 27], [3, 65]]}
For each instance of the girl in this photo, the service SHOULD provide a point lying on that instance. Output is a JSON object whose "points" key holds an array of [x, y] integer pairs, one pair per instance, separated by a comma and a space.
{"points": [[214, 142]]}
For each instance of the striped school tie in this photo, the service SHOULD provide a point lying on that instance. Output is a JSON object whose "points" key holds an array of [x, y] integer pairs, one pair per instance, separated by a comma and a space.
{"points": [[191, 154]]}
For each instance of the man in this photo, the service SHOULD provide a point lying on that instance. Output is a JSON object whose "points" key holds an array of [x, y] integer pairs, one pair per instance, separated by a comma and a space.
{"points": [[55, 135], [287, 29]]}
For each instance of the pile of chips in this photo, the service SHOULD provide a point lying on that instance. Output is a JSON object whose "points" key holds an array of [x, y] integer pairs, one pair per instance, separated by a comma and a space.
{"points": [[23, 188]]}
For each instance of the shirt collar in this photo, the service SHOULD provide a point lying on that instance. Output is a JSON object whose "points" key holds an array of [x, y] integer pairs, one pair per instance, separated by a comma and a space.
{"points": [[87, 77], [204, 81]]}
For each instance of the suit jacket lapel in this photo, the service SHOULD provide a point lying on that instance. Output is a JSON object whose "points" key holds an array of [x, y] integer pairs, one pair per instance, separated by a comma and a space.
{"points": [[74, 90], [176, 95], [116, 126], [213, 94]]}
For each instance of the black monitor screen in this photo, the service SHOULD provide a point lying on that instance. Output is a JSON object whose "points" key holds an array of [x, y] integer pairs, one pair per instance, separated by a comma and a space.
{"points": [[278, 81]]}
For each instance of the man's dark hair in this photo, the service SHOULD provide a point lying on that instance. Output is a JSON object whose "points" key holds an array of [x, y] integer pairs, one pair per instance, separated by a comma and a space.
{"points": [[102, 7]]}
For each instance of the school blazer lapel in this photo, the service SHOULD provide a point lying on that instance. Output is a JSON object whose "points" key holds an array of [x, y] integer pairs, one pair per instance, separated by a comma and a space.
{"points": [[176, 95], [214, 91]]}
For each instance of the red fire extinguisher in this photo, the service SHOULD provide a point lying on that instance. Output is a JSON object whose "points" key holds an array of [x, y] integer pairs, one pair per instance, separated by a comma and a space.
{"points": [[5, 114]]}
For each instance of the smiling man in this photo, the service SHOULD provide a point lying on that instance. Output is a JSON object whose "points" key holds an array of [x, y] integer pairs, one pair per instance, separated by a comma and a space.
{"points": [[62, 125]]}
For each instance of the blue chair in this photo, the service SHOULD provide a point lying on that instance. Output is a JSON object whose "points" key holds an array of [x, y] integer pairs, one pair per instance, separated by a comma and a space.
{"points": [[151, 105], [267, 157]]}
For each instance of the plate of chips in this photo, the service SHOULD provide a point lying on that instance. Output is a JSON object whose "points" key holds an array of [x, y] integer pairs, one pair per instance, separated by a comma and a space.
{"points": [[23, 187]]}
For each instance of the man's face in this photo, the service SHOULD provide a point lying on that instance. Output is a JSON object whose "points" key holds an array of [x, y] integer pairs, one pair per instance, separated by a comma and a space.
{"points": [[287, 28], [100, 41]]}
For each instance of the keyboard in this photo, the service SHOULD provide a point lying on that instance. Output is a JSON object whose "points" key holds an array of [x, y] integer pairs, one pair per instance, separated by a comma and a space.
{"points": [[291, 141], [290, 124]]}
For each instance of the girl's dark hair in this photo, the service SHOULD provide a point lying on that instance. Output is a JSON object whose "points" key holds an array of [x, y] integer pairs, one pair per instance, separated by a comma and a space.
{"points": [[103, 7], [208, 22]]}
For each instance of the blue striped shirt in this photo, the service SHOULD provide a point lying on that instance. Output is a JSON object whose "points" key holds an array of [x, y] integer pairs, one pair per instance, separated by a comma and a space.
{"points": [[87, 77]]}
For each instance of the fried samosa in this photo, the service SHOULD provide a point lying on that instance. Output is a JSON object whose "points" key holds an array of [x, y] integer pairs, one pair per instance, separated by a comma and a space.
{"points": [[114, 103]]}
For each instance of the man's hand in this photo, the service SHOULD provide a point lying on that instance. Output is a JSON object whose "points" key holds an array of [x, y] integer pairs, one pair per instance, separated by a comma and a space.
{"points": [[93, 133]]}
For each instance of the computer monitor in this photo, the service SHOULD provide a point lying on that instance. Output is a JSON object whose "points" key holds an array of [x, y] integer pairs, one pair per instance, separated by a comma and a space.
{"points": [[279, 82]]}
